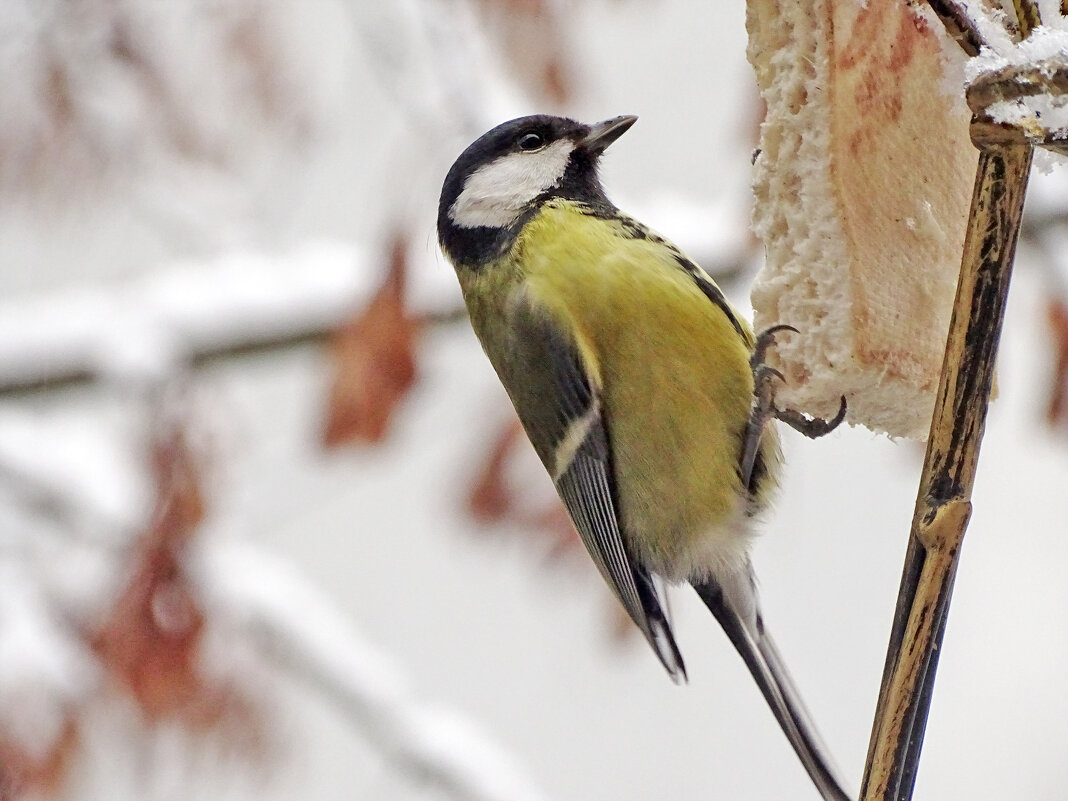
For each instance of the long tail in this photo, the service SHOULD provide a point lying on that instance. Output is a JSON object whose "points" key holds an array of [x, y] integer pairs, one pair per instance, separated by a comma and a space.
{"points": [[734, 604]]}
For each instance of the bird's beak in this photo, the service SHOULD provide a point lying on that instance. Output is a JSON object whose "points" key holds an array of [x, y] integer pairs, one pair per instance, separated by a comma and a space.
{"points": [[602, 134]]}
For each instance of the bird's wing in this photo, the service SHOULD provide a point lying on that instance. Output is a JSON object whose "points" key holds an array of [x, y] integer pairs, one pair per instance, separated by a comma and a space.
{"points": [[559, 404], [733, 601]]}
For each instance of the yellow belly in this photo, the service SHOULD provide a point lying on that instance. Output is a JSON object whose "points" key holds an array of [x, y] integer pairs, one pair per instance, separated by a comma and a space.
{"points": [[675, 382]]}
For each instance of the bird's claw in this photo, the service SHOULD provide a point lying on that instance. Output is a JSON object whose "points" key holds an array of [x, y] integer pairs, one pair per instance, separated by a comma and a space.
{"points": [[764, 406], [765, 339], [811, 427]]}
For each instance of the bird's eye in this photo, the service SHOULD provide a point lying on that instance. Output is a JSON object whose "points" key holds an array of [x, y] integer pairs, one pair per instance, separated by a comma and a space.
{"points": [[530, 141]]}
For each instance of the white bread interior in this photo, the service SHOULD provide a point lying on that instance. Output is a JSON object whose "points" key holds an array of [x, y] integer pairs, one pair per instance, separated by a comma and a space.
{"points": [[863, 183]]}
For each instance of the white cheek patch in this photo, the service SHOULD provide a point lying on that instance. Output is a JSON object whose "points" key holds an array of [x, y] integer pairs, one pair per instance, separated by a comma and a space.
{"points": [[494, 195]]}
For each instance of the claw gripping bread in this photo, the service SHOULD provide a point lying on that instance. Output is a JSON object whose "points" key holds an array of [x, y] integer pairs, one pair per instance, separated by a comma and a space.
{"points": [[863, 183]]}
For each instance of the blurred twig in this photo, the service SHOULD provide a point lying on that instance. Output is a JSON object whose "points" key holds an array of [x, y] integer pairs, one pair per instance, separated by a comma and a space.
{"points": [[237, 305], [1047, 77], [943, 504], [297, 630]]}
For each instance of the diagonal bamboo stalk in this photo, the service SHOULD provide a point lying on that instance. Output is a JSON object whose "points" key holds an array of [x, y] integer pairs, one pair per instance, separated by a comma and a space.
{"points": [[958, 25], [943, 504]]}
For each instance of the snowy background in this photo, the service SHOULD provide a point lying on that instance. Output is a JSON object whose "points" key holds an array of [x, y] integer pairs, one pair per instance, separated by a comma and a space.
{"points": [[199, 599]]}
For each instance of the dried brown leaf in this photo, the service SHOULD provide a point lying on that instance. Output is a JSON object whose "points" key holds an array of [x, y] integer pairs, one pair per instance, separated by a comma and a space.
{"points": [[490, 500], [150, 638], [373, 358], [149, 642], [25, 775]]}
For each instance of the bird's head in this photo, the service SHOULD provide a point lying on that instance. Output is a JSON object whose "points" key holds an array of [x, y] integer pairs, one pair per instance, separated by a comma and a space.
{"points": [[509, 171]]}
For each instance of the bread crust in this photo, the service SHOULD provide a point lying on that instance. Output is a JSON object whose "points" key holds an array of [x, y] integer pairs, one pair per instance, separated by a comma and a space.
{"points": [[863, 184]]}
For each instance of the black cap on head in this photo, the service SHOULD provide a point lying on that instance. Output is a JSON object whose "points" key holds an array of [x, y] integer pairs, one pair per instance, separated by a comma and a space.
{"points": [[573, 176]]}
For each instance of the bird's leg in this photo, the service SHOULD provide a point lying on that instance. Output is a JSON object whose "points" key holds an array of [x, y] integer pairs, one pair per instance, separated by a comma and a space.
{"points": [[764, 406], [762, 410]]}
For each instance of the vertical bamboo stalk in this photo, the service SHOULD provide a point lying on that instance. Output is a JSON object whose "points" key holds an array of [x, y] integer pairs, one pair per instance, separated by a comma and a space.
{"points": [[943, 503], [1027, 16]]}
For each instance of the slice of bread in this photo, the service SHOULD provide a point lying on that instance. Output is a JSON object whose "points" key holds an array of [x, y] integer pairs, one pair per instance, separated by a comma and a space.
{"points": [[863, 183]]}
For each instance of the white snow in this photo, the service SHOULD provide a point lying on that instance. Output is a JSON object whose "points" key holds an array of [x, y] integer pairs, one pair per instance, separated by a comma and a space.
{"points": [[1048, 41], [262, 598], [143, 329], [44, 673]]}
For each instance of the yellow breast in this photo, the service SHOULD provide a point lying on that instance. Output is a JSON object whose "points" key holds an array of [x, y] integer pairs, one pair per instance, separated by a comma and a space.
{"points": [[675, 382]]}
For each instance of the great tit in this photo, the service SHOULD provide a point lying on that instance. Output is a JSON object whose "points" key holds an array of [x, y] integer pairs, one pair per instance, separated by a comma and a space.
{"points": [[633, 377]]}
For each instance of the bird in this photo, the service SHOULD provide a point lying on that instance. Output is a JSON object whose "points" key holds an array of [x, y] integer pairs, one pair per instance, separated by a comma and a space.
{"points": [[643, 391]]}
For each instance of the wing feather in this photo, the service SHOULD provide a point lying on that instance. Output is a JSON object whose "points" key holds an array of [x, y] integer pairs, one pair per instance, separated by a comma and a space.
{"points": [[573, 441]]}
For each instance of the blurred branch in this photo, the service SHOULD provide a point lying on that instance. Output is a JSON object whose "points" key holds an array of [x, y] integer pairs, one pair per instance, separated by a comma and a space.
{"points": [[143, 329], [242, 304], [943, 504], [192, 316], [1015, 81], [1015, 84], [298, 631], [180, 589], [51, 498]]}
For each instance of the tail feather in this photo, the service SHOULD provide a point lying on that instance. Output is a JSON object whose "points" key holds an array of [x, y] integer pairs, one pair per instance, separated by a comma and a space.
{"points": [[735, 607], [659, 633]]}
